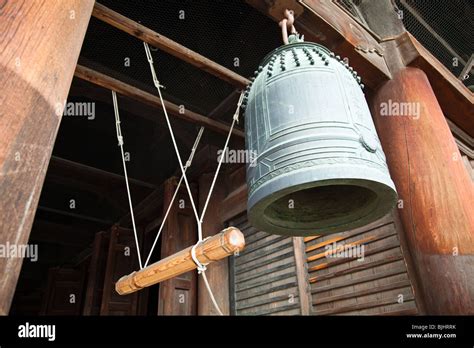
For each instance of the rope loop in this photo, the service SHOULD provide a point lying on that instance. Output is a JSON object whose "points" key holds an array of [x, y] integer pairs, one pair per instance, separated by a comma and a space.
{"points": [[237, 111], [149, 57], [201, 268], [129, 195]]}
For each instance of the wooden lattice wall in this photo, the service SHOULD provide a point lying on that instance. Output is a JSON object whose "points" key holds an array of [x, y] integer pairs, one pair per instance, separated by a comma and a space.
{"points": [[377, 284]]}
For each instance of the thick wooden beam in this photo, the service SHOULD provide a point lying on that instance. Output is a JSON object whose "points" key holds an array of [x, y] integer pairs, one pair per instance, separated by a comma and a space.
{"points": [[40, 45], [64, 234], [120, 87], [69, 169], [155, 39], [436, 191], [326, 22], [221, 245], [455, 99], [83, 89], [105, 185], [76, 216]]}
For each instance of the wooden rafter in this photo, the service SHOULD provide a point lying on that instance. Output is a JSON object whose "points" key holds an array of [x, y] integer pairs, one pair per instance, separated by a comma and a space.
{"points": [[122, 88], [155, 39], [76, 216], [70, 168], [324, 21]]}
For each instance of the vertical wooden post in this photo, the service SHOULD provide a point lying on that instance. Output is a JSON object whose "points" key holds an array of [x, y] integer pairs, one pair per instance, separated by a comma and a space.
{"points": [[218, 272], [40, 45], [177, 296], [304, 293], [96, 275], [121, 258], [434, 188]]}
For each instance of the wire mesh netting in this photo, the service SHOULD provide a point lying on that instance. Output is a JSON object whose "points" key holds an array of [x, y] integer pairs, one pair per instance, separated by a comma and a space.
{"points": [[445, 28], [229, 32]]}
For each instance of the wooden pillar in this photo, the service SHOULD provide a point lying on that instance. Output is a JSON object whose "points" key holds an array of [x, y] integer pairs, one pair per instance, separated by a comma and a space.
{"points": [[40, 45], [177, 296], [217, 272], [435, 189]]}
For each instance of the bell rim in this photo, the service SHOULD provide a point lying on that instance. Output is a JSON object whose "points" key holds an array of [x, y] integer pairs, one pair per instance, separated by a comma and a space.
{"points": [[384, 189]]}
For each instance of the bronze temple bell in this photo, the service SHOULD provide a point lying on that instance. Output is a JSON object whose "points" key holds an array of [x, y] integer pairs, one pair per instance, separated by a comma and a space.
{"points": [[319, 167]]}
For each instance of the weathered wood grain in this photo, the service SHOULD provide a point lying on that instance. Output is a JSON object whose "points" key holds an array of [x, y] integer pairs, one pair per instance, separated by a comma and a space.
{"points": [[155, 39], [40, 43], [437, 193]]}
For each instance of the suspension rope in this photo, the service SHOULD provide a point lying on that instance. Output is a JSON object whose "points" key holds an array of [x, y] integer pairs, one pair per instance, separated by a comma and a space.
{"points": [[158, 87], [120, 143], [199, 219], [234, 120], [188, 164], [201, 268]]}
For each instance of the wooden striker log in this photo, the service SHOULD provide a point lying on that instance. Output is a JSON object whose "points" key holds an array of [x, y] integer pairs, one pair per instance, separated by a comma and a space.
{"points": [[221, 245]]}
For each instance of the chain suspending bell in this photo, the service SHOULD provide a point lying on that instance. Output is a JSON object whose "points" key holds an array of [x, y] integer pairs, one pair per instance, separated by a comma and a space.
{"points": [[319, 166]]}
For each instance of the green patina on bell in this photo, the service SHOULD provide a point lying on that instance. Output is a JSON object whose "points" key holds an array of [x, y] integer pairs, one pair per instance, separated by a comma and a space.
{"points": [[320, 167]]}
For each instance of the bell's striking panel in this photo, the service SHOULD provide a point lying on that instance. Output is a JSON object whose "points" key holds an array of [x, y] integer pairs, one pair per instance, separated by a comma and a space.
{"points": [[319, 167]]}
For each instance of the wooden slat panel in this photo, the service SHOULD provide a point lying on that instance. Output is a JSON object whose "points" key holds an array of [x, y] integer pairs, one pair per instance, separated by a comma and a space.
{"points": [[377, 303], [263, 243], [408, 307], [344, 260], [368, 239], [276, 306], [287, 311], [345, 246], [369, 291], [310, 238], [326, 242], [265, 262], [288, 292], [281, 310], [393, 271], [263, 302], [264, 274], [341, 286], [357, 268], [266, 280], [409, 311], [265, 289], [262, 253], [374, 225]]}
